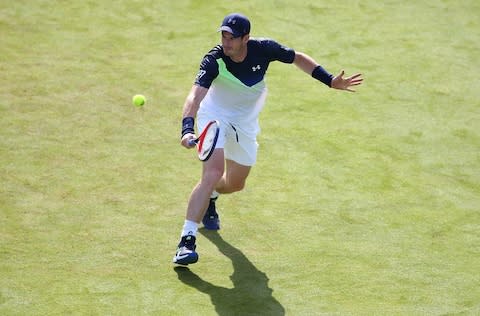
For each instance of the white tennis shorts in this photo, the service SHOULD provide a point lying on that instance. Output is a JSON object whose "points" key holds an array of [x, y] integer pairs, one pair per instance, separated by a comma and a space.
{"points": [[237, 145]]}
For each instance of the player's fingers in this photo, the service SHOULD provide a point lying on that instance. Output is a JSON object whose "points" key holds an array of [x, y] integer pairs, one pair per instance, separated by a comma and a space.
{"points": [[355, 76], [187, 141], [354, 79], [185, 144], [191, 142], [358, 81]]}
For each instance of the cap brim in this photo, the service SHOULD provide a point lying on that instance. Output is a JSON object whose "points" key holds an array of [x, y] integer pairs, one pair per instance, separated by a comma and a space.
{"points": [[228, 29]]}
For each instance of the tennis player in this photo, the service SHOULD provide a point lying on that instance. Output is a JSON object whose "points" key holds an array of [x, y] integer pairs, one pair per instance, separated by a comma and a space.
{"points": [[230, 88]]}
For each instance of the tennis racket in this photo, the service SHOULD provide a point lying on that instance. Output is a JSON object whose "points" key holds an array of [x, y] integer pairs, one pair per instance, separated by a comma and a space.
{"points": [[207, 140]]}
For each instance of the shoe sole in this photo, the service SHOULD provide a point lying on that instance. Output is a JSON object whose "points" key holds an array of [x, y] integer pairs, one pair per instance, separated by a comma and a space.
{"points": [[190, 259]]}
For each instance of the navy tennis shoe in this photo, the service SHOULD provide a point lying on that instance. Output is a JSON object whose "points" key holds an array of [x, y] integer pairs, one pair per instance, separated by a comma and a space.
{"points": [[211, 220], [186, 254]]}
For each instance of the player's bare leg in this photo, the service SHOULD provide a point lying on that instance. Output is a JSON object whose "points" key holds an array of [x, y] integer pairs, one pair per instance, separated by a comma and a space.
{"points": [[234, 178], [213, 170]]}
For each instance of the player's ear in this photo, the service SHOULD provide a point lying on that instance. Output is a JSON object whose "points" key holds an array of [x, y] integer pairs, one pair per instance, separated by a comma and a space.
{"points": [[245, 38]]}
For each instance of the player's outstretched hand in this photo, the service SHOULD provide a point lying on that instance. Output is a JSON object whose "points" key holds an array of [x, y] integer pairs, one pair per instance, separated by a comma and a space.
{"points": [[340, 83]]}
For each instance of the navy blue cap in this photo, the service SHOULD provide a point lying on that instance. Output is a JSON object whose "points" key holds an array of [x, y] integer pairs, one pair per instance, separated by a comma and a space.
{"points": [[237, 24]]}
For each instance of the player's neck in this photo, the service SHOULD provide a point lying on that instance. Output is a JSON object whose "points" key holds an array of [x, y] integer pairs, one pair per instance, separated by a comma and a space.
{"points": [[238, 58]]}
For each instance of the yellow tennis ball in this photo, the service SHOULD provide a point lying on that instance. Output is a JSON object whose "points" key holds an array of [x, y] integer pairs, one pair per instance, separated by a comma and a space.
{"points": [[139, 100]]}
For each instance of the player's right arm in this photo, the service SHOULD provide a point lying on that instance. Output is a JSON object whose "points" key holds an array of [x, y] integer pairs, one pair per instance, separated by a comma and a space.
{"points": [[205, 76], [190, 108]]}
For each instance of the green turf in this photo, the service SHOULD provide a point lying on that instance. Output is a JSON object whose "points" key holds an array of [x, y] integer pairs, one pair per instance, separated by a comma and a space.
{"points": [[360, 204]]}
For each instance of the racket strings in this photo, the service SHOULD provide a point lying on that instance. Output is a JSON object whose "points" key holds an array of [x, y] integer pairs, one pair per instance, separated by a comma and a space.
{"points": [[208, 142]]}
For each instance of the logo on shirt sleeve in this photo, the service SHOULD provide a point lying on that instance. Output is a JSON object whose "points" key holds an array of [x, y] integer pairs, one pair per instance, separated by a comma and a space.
{"points": [[201, 73]]}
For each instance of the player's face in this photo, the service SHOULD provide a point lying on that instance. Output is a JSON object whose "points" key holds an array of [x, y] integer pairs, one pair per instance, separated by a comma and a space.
{"points": [[234, 48]]}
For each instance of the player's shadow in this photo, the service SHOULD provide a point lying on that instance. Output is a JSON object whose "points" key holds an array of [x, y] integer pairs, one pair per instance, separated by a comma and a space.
{"points": [[250, 294]]}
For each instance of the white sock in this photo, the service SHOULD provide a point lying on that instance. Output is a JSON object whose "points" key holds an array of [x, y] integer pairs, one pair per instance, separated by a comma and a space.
{"points": [[189, 228], [214, 195]]}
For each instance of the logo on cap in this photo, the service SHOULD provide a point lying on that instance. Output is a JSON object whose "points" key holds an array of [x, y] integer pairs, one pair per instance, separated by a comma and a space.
{"points": [[237, 24]]}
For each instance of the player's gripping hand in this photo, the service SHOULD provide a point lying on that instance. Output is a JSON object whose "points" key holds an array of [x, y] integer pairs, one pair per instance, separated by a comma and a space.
{"points": [[187, 140]]}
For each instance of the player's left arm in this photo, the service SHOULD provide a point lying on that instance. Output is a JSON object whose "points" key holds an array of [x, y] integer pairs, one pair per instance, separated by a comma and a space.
{"points": [[311, 67]]}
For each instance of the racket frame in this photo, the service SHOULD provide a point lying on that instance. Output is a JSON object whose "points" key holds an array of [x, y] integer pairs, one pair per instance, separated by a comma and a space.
{"points": [[199, 141]]}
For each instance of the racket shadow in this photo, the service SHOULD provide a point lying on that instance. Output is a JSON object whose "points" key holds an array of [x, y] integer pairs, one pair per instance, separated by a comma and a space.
{"points": [[250, 294]]}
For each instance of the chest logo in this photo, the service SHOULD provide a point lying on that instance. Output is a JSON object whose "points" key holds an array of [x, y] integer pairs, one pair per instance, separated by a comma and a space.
{"points": [[255, 68]]}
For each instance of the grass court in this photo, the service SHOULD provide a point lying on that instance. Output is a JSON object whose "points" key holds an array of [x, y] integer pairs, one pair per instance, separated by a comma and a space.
{"points": [[360, 204]]}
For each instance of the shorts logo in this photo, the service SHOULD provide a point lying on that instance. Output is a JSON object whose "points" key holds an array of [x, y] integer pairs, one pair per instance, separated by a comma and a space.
{"points": [[255, 68]]}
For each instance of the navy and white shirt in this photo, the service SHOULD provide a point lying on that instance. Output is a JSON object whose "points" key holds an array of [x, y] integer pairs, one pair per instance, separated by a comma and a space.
{"points": [[237, 91]]}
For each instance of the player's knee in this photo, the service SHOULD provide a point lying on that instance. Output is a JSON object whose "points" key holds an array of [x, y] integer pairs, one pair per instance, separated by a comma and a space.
{"points": [[212, 176], [237, 186]]}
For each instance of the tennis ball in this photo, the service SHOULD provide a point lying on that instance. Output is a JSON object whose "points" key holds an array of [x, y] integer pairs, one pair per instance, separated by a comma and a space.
{"points": [[139, 100]]}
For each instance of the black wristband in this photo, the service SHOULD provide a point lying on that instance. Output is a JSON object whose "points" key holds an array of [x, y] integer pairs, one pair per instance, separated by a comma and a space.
{"points": [[322, 75], [187, 126]]}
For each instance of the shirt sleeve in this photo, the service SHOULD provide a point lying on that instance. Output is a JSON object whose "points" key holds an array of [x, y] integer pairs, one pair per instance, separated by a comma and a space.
{"points": [[276, 51], [208, 71]]}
